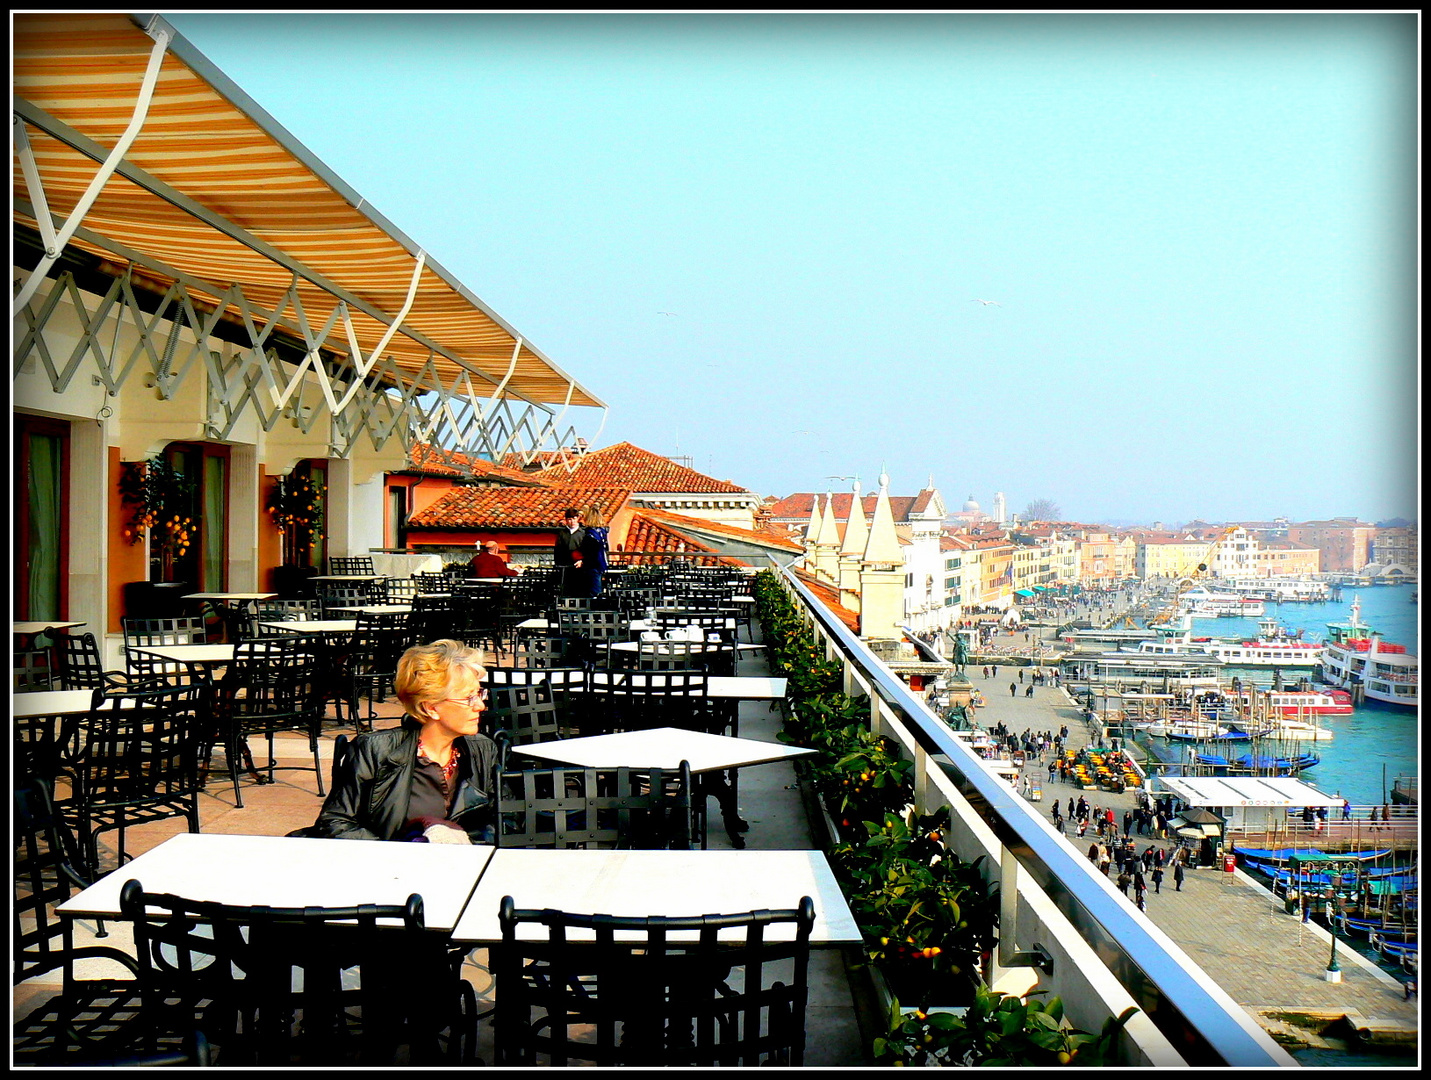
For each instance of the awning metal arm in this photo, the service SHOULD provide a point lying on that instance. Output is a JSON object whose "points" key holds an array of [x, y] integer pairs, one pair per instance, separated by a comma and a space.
{"points": [[106, 170]]}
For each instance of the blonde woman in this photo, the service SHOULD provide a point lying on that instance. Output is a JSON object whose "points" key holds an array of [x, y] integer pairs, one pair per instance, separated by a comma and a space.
{"points": [[593, 550], [432, 776]]}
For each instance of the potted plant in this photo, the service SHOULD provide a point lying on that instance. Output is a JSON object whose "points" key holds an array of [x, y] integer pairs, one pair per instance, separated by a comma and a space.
{"points": [[159, 498], [296, 507]]}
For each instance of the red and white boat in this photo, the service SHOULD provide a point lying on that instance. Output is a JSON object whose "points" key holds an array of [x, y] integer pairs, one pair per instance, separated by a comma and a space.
{"points": [[1298, 703]]}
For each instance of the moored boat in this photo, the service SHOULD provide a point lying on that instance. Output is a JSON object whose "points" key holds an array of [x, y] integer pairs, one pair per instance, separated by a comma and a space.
{"points": [[1202, 602], [1355, 658]]}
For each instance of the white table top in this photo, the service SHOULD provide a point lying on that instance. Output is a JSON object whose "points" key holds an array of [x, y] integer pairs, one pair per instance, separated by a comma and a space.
{"points": [[661, 748], [345, 577], [378, 609], [229, 596], [745, 687], [700, 646], [188, 654], [41, 627], [540, 623], [290, 871], [307, 626], [50, 703], [640, 883]]}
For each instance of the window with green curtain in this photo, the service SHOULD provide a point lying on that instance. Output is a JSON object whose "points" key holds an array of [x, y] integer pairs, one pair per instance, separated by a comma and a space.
{"points": [[215, 526], [45, 485]]}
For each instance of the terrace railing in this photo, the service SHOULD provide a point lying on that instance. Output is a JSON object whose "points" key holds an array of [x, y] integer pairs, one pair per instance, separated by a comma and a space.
{"points": [[1063, 926]]}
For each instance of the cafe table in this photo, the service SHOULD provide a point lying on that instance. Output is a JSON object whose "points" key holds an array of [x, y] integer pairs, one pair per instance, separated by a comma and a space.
{"points": [[541, 623], [230, 607], [50, 703], [378, 609], [290, 871], [739, 646], [36, 664], [199, 655], [346, 577], [646, 883], [313, 626], [666, 748], [33, 629]]}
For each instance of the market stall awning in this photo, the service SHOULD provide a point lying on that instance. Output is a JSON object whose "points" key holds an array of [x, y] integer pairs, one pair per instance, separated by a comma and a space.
{"points": [[1023, 592], [1247, 791], [214, 189]]}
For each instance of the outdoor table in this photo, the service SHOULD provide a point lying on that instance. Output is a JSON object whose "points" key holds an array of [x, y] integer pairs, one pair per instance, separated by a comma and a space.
{"points": [[666, 748], [746, 687], [705, 646], [50, 703], [346, 577], [541, 623], [313, 626], [378, 609], [199, 655], [290, 871], [646, 883], [34, 629]]}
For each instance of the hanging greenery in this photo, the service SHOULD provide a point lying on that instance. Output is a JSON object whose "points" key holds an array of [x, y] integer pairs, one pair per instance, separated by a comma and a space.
{"points": [[161, 497], [297, 508]]}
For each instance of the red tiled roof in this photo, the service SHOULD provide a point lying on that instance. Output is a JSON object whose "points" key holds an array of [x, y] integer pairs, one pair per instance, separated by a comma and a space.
{"points": [[646, 534], [514, 507], [775, 536], [797, 507], [425, 458], [628, 466], [830, 597]]}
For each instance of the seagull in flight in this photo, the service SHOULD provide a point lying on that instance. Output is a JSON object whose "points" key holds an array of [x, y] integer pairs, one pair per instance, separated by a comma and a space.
{"points": [[987, 302], [672, 313]]}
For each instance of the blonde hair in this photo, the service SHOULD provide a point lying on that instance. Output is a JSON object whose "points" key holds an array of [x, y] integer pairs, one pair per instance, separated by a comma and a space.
{"points": [[592, 516], [428, 673]]}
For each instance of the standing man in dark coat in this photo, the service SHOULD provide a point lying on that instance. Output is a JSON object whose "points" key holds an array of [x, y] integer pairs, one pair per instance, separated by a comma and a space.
{"points": [[1178, 876], [567, 555]]}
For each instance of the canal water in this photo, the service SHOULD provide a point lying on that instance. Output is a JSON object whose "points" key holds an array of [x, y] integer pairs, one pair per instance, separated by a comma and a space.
{"points": [[1375, 739]]}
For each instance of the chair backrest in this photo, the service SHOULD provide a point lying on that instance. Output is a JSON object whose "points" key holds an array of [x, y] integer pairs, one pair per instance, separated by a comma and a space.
{"points": [[626, 700], [396, 590], [542, 649], [293, 979], [379, 641], [288, 610], [568, 806], [80, 664], [528, 714], [274, 678], [711, 658], [658, 991], [352, 564], [181, 630], [142, 748], [433, 618], [46, 874], [594, 626], [341, 594], [706, 618]]}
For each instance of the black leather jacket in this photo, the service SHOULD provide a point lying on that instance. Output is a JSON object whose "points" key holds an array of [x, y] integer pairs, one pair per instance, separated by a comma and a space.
{"points": [[369, 800]]}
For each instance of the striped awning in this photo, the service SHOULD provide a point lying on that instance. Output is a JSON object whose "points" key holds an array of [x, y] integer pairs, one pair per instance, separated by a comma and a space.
{"points": [[215, 188]]}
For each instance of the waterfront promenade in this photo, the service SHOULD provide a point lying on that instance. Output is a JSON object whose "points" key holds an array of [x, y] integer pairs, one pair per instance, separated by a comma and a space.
{"points": [[1236, 931]]}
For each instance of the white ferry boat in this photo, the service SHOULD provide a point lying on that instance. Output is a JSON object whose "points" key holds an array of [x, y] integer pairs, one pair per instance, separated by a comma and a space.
{"points": [[1202, 603], [1273, 647], [1355, 656], [1282, 591]]}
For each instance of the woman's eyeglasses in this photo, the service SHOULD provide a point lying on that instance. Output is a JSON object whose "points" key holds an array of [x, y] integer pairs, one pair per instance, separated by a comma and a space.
{"points": [[476, 701]]}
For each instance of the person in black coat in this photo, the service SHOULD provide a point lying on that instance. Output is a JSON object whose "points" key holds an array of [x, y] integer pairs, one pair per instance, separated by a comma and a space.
{"points": [[432, 777], [567, 551], [1178, 875]]}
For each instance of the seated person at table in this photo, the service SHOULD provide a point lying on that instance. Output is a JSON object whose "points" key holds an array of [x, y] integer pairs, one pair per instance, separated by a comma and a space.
{"points": [[487, 563], [432, 775]]}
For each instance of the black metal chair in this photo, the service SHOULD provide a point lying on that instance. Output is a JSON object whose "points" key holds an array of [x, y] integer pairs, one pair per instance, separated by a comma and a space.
{"points": [[527, 714], [139, 763], [544, 649], [90, 1020], [354, 564], [399, 590], [47, 745], [288, 610], [377, 644], [432, 619], [82, 669], [596, 628], [620, 700], [333, 595], [353, 986], [657, 991], [713, 658], [272, 685], [573, 807], [32, 670], [183, 630]]}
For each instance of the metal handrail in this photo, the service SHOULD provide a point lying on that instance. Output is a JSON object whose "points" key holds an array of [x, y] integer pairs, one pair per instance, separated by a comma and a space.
{"points": [[1200, 1027]]}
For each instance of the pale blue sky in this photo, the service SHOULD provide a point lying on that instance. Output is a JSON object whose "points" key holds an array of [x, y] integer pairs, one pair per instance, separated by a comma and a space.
{"points": [[1201, 229]]}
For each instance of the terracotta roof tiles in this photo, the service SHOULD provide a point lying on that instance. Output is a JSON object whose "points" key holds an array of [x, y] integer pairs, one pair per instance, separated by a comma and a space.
{"points": [[628, 466], [514, 507]]}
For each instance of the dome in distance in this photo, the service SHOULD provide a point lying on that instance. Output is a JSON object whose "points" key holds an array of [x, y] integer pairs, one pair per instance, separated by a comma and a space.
{"points": [[971, 507]]}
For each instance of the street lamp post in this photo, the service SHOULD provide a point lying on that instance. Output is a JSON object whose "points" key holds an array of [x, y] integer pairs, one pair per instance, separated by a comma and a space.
{"points": [[1334, 971]]}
